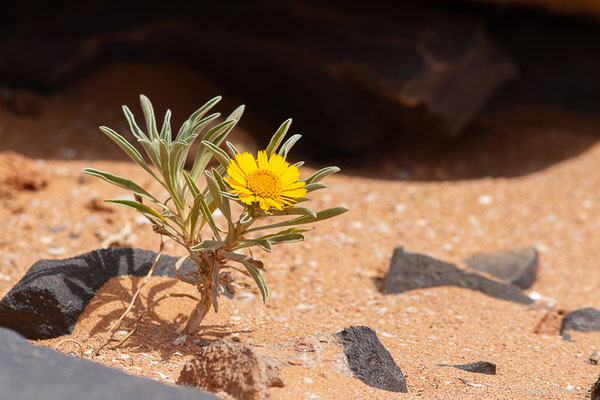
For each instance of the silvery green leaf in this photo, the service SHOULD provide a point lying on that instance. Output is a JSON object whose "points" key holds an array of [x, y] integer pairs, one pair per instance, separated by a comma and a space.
{"points": [[245, 218], [128, 149], [142, 208], [299, 164], [193, 215], [195, 129], [194, 190], [230, 196], [207, 214], [232, 148], [153, 151], [311, 187], [149, 116], [278, 138], [286, 238], [216, 136], [322, 173], [208, 245], [123, 183], [199, 113], [135, 129], [296, 210], [285, 148], [321, 215], [203, 155], [295, 229], [221, 202], [165, 132], [219, 154], [262, 243], [259, 279]]}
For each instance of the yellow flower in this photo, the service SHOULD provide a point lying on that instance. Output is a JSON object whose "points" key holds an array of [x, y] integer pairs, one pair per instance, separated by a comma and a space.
{"points": [[270, 182]]}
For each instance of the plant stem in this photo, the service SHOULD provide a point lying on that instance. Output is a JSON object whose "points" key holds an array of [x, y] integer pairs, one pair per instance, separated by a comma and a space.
{"points": [[198, 314]]}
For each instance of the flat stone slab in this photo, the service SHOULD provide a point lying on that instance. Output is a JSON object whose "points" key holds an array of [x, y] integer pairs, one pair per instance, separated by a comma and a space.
{"points": [[410, 271], [583, 320], [39, 373], [370, 361], [517, 266], [47, 301]]}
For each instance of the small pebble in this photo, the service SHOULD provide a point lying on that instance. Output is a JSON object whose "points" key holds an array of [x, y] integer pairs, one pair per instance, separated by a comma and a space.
{"points": [[485, 199]]}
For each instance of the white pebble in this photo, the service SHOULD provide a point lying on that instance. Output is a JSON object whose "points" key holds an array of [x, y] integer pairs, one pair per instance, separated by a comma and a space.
{"points": [[308, 380], [485, 199], [399, 207]]}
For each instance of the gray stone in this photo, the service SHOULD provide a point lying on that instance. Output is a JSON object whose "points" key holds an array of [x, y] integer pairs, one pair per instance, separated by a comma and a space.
{"points": [[39, 373], [480, 367], [517, 266], [47, 301], [583, 320], [370, 361], [233, 368], [410, 271]]}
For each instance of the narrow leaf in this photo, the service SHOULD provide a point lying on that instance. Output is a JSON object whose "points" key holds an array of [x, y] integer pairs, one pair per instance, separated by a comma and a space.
{"points": [[135, 129], [285, 148], [322, 173], [231, 148], [278, 137], [259, 279], [321, 215], [207, 214], [194, 190], [296, 210], [123, 183], [142, 208], [311, 187], [165, 132], [208, 245], [219, 154], [149, 116], [128, 149]]}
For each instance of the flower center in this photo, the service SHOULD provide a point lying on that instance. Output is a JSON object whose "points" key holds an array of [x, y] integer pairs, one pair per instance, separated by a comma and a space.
{"points": [[264, 183]]}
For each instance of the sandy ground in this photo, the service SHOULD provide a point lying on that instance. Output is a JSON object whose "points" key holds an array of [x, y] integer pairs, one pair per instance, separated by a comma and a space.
{"points": [[528, 177]]}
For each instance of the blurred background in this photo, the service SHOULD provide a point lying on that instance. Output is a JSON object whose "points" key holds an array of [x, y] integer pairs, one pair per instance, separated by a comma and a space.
{"points": [[394, 89]]}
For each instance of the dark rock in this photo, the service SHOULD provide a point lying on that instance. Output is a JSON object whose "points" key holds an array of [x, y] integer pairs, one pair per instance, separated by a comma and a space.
{"points": [[480, 367], [516, 266], [36, 373], [369, 361], [47, 301], [415, 271], [595, 394], [583, 320], [233, 368], [404, 72]]}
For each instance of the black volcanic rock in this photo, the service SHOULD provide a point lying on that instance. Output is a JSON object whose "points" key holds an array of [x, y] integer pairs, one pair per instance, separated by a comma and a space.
{"points": [[39, 373], [410, 271], [47, 301], [517, 266], [369, 361], [583, 320]]}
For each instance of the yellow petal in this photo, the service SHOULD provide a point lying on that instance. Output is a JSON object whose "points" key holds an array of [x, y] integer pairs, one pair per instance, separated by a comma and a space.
{"points": [[263, 204], [277, 164], [290, 175], [295, 185], [275, 203], [263, 161], [295, 193], [247, 198], [246, 162], [234, 170]]}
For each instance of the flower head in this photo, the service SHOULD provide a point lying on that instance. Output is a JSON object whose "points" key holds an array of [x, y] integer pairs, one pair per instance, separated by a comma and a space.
{"points": [[268, 181]]}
